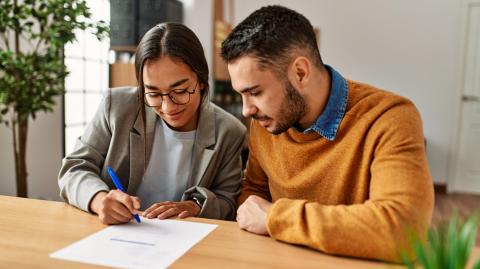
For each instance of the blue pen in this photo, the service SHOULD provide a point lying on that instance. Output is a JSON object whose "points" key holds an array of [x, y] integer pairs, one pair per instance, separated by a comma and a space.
{"points": [[119, 186]]}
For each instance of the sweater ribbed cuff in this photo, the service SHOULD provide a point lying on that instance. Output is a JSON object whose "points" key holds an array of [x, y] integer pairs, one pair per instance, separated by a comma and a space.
{"points": [[280, 219]]}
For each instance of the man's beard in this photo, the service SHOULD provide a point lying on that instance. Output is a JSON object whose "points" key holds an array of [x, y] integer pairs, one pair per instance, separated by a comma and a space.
{"points": [[292, 109]]}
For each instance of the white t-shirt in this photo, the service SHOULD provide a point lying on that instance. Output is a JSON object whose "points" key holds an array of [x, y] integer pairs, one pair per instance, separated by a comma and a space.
{"points": [[169, 167]]}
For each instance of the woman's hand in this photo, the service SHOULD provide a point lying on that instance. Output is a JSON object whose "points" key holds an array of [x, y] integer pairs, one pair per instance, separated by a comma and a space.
{"points": [[114, 207], [165, 210]]}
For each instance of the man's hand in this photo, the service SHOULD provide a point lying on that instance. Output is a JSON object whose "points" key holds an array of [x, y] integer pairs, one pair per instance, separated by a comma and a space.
{"points": [[165, 210], [252, 215], [114, 207]]}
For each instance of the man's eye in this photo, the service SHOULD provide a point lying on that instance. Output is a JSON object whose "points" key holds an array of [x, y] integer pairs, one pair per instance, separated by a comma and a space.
{"points": [[254, 93]]}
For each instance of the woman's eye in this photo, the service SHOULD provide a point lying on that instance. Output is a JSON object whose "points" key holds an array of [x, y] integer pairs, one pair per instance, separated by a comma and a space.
{"points": [[179, 91], [153, 94]]}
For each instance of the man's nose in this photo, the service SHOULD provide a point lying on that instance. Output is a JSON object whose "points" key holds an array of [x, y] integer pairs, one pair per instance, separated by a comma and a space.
{"points": [[248, 109]]}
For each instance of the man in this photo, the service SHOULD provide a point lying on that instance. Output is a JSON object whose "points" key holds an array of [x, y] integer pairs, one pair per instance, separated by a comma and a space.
{"points": [[334, 164]]}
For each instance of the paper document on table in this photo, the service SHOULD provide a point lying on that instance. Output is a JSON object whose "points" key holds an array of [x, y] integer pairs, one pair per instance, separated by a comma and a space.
{"points": [[151, 244]]}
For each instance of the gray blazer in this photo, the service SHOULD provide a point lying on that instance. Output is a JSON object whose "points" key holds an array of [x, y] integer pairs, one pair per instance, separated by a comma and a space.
{"points": [[115, 138]]}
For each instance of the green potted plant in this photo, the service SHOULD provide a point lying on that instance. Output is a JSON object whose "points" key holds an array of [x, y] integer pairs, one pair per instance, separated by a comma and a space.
{"points": [[32, 71], [447, 246]]}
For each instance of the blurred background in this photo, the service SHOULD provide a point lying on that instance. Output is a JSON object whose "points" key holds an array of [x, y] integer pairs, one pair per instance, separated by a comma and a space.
{"points": [[428, 51]]}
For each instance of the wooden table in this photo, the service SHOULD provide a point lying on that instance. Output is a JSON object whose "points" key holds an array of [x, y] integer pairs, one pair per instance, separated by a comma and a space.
{"points": [[30, 230]]}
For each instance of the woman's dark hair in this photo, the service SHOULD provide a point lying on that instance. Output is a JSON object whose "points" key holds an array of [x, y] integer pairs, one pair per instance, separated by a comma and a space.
{"points": [[180, 44], [174, 40], [272, 34]]}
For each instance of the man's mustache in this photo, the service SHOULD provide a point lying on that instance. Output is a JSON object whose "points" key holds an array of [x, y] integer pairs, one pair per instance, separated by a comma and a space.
{"points": [[260, 117]]}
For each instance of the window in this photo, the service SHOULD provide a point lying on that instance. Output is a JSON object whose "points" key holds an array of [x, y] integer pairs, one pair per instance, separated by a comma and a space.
{"points": [[87, 62]]}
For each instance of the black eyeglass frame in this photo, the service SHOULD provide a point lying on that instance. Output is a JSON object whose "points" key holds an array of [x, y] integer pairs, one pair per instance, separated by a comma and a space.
{"points": [[170, 96]]}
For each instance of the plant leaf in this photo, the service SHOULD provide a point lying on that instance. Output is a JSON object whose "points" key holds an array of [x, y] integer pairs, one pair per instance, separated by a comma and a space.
{"points": [[477, 264], [422, 254], [452, 243], [467, 239]]}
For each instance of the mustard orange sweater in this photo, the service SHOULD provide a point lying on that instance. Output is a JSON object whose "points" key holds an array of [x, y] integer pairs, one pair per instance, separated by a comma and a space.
{"points": [[357, 195]]}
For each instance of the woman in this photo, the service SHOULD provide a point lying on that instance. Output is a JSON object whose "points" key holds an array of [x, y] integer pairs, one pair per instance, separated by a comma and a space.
{"points": [[175, 153]]}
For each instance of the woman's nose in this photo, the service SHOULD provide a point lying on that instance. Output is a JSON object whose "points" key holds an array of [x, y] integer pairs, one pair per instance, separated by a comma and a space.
{"points": [[168, 104]]}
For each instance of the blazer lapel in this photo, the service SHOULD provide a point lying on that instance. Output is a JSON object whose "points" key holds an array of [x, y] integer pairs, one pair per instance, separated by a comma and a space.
{"points": [[205, 140], [137, 155]]}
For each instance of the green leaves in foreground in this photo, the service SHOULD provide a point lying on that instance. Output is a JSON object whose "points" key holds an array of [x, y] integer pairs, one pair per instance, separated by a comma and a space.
{"points": [[448, 245]]}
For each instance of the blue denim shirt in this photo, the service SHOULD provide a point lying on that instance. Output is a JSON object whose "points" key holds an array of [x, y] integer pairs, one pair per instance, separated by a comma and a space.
{"points": [[328, 122]]}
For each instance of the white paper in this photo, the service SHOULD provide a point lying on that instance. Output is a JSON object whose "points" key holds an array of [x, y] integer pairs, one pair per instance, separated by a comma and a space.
{"points": [[151, 244]]}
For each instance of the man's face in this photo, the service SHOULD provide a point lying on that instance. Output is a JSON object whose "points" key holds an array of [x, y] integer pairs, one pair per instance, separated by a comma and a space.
{"points": [[275, 104]]}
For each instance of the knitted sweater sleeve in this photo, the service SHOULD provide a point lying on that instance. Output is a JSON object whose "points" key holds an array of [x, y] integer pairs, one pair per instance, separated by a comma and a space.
{"points": [[255, 181], [400, 198]]}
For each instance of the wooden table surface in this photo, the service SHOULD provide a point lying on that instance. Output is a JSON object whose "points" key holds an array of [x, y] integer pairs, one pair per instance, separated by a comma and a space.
{"points": [[30, 230]]}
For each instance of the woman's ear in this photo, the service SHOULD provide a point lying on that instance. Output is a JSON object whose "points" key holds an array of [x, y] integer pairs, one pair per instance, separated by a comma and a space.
{"points": [[201, 86], [201, 89]]}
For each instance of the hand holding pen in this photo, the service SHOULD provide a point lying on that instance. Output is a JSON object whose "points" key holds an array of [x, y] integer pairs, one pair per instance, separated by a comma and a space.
{"points": [[119, 186], [115, 207]]}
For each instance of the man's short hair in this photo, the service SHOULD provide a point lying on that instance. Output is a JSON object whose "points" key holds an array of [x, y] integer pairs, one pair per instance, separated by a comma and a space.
{"points": [[273, 34]]}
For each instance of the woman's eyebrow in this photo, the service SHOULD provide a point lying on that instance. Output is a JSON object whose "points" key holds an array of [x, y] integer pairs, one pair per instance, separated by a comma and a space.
{"points": [[175, 84], [180, 82]]}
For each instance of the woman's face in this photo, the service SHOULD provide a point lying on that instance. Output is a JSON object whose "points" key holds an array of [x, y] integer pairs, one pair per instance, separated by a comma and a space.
{"points": [[165, 79]]}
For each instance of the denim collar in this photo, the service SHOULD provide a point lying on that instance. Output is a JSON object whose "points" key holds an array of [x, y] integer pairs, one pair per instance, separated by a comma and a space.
{"points": [[328, 122]]}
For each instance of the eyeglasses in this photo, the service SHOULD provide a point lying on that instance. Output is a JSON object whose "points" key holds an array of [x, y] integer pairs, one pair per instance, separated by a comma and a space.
{"points": [[178, 96]]}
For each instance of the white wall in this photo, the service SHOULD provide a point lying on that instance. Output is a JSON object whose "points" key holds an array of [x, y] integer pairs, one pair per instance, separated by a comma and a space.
{"points": [[44, 153], [408, 47], [198, 16]]}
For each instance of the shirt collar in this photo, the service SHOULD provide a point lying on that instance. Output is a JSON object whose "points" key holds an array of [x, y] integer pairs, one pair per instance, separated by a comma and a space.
{"points": [[328, 122]]}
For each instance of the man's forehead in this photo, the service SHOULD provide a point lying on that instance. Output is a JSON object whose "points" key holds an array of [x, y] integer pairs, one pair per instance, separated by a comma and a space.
{"points": [[246, 72], [245, 63]]}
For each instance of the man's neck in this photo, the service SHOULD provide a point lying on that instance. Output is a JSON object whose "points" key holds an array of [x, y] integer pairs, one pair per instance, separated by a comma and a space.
{"points": [[316, 97]]}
